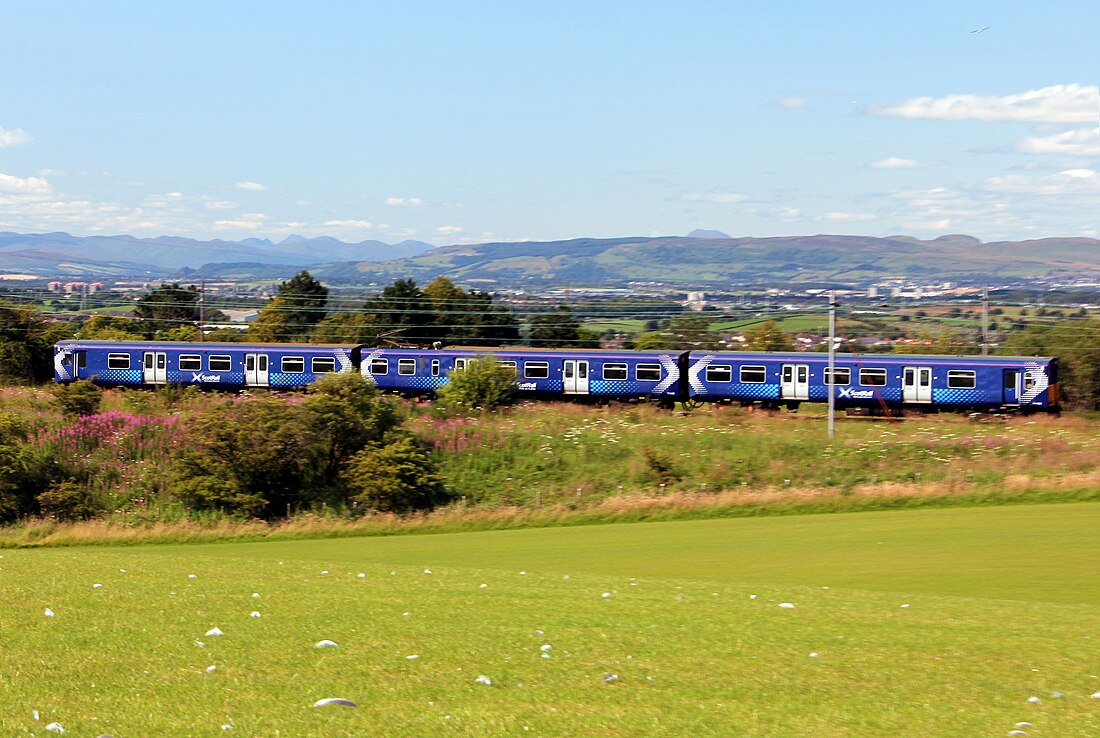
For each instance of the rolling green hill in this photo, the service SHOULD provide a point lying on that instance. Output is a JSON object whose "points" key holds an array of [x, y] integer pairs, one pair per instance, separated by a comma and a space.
{"points": [[820, 258]]}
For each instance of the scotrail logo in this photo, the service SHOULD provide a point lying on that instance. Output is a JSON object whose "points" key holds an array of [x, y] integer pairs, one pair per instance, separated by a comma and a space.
{"points": [[198, 377], [847, 393]]}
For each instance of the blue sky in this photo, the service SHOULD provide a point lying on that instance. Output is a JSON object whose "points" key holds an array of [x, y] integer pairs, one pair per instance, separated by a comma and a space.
{"points": [[454, 122]]}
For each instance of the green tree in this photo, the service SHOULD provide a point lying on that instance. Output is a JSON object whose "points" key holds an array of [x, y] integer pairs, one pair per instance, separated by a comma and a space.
{"points": [[21, 475], [766, 336], [399, 477], [483, 384], [168, 306], [111, 328], [298, 306], [560, 329], [939, 339], [469, 318], [180, 333], [357, 327], [78, 398], [404, 313], [26, 343]]}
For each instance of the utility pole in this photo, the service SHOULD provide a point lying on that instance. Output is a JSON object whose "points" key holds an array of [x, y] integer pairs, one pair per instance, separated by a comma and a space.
{"points": [[832, 364], [202, 309], [985, 321]]}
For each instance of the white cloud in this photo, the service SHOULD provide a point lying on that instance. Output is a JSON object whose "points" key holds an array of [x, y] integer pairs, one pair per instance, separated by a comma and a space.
{"points": [[14, 138], [1065, 183], [23, 186], [1078, 142], [894, 162], [1070, 103], [361, 224], [837, 217], [211, 204], [399, 202], [792, 103], [251, 186], [716, 197], [788, 213], [448, 230], [246, 222]]}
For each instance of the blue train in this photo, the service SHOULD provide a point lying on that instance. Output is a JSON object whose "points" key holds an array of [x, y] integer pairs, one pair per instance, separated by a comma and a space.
{"points": [[872, 382]]}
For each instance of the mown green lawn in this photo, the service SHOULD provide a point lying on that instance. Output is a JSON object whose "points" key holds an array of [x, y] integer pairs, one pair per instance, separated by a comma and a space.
{"points": [[909, 623]]}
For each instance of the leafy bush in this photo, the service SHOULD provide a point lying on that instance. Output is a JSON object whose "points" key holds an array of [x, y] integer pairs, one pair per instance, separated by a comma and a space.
{"points": [[398, 477], [78, 398], [20, 474], [266, 456], [484, 384], [69, 501]]}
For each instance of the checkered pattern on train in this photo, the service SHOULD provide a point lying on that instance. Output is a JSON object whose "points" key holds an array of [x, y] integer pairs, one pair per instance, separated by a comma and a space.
{"points": [[279, 379], [427, 384], [619, 387], [120, 376], [751, 391], [958, 397]]}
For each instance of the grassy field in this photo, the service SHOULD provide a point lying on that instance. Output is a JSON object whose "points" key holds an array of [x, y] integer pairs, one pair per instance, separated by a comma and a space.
{"points": [[910, 623]]}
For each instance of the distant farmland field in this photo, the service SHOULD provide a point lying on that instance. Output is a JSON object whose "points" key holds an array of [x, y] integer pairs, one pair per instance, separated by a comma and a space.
{"points": [[909, 623]]}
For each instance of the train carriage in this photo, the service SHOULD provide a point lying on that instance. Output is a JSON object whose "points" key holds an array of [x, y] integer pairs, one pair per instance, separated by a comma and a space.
{"points": [[540, 373], [220, 365], [877, 380]]}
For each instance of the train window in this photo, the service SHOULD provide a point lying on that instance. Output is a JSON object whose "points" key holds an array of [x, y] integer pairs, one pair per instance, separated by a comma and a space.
{"points": [[118, 361], [960, 379], [460, 364], [406, 367], [614, 371], [323, 364], [293, 364], [843, 375], [720, 373], [190, 363], [536, 369], [754, 374], [435, 367], [509, 364], [647, 372], [379, 367], [220, 363], [81, 359], [872, 377]]}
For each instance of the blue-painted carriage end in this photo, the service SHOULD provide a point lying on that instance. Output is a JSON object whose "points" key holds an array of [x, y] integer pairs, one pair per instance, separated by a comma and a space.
{"points": [[231, 366], [877, 380]]}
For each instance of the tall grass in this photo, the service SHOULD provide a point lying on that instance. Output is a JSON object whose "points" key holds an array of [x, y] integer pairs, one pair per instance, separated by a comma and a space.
{"points": [[572, 464]]}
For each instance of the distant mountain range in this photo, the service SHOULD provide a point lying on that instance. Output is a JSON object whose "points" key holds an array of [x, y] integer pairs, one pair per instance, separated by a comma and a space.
{"points": [[702, 258], [60, 254]]}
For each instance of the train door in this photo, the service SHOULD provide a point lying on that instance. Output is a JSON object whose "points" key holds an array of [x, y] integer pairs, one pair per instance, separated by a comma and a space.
{"points": [[794, 382], [575, 376], [916, 384], [1016, 385], [154, 367], [255, 370]]}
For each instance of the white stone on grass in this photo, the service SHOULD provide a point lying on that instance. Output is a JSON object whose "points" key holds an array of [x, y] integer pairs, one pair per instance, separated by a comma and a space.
{"points": [[484, 586], [427, 571], [48, 612], [55, 728], [1095, 696], [813, 654], [412, 657], [255, 595], [752, 597], [254, 614], [1034, 701], [546, 647], [211, 669], [1056, 694], [192, 576], [361, 575], [605, 595], [334, 701], [1017, 733], [97, 586], [482, 679], [326, 643], [786, 605], [1023, 725], [215, 632], [610, 677], [200, 644]]}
